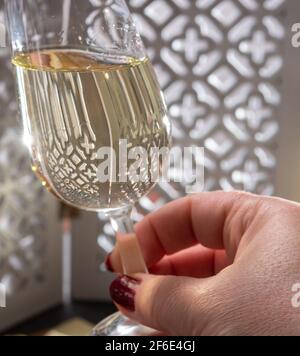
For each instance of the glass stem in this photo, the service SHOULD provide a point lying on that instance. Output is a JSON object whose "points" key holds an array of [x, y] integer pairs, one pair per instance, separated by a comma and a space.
{"points": [[130, 252]]}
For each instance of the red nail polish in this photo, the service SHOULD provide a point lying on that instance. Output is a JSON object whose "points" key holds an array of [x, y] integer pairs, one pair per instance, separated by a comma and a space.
{"points": [[122, 291], [108, 264], [154, 270]]}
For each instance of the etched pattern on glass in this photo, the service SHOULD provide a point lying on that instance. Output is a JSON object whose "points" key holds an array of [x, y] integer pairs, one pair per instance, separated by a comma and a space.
{"points": [[219, 63], [22, 245]]}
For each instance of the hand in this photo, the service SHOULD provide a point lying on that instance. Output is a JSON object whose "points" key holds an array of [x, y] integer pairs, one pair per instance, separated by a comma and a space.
{"points": [[221, 264]]}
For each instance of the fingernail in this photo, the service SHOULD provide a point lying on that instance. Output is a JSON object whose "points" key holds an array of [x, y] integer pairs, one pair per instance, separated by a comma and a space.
{"points": [[153, 270], [122, 291], [108, 264]]}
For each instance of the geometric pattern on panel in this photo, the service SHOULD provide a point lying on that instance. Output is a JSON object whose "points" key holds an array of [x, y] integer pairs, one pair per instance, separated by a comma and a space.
{"points": [[219, 63], [22, 198]]}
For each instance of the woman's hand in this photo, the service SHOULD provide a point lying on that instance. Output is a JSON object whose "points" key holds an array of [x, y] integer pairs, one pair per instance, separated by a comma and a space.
{"points": [[221, 264]]}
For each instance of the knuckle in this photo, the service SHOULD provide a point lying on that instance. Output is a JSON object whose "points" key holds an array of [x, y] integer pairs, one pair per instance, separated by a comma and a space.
{"points": [[163, 310], [179, 306]]}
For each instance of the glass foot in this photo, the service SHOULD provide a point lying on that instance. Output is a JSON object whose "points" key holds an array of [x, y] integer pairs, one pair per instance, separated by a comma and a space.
{"points": [[118, 325]]}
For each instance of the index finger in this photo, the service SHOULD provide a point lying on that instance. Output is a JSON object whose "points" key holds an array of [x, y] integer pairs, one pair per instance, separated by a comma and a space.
{"points": [[215, 220]]}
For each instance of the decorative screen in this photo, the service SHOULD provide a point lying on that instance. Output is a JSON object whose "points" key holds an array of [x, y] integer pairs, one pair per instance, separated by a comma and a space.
{"points": [[219, 63], [27, 218]]}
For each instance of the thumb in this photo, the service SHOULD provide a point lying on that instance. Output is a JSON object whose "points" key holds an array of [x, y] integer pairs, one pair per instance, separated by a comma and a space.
{"points": [[173, 305]]}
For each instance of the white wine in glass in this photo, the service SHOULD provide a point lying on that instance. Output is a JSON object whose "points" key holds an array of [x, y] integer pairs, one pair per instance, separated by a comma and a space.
{"points": [[74, 103]]}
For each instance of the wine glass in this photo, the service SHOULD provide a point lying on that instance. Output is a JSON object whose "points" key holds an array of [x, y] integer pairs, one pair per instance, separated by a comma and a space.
{"points": [[88, 96]]}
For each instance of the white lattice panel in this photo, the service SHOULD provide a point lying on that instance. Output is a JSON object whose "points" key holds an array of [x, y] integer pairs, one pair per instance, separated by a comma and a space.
{"points": [[219, 63], [30, 237]]}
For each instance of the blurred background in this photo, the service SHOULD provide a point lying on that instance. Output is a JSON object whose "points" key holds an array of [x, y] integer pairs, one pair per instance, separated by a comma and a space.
{"points": [[230, 77]]}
